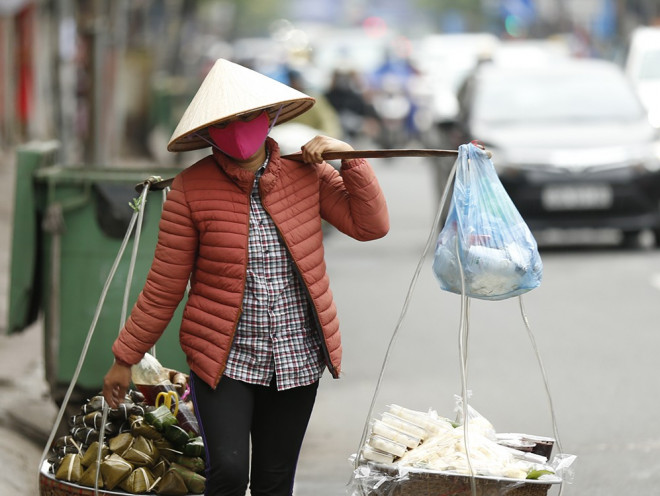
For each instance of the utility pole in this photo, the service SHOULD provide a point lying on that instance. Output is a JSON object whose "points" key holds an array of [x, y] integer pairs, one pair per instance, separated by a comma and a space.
{"points": [[66, 79], [8, 84], [622, 17], [99, 85]]}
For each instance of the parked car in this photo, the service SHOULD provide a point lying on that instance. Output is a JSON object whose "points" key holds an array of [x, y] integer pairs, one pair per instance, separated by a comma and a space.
{"points": [[570, 140]]}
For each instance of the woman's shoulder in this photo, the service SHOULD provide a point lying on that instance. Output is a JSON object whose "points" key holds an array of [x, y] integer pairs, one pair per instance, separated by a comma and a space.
{"points": [[203, 167], [202, 171]]}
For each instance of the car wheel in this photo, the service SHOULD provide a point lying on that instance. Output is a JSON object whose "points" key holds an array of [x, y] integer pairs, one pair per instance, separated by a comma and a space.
{"points": [[656, 234], [630, 239]]}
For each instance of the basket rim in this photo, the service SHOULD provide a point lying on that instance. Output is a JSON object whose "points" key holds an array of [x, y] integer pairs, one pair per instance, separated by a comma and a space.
{"points": [[415, 470]]}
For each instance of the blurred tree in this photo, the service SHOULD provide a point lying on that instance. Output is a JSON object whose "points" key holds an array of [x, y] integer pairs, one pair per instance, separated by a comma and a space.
{"points": [[254, 17], [471, 10]]}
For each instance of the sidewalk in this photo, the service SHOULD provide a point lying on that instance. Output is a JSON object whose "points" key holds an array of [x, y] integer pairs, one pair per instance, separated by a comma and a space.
{"points": [[26, 412]]}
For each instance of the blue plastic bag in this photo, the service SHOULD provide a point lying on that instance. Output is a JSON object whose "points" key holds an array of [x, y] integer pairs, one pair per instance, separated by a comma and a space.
{"points": [[485, 249]]}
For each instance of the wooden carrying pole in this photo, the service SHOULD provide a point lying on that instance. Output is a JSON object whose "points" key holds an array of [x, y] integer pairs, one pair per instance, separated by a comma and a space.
{"points": [[388, 153]]}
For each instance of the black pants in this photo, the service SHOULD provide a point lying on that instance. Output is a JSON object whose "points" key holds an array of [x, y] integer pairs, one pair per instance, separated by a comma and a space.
{"points": [[236, 412]]}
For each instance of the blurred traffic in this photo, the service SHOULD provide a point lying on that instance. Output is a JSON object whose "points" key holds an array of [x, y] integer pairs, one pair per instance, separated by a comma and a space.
{"points": [[570, 139], [108, 80], [566, 96]]}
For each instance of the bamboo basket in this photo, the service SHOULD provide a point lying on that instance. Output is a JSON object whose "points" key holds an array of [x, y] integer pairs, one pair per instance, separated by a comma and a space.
{"points": [[419, 482], [50, 486]]}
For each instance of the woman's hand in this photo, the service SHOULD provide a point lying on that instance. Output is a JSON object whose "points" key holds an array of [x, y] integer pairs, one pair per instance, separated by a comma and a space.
{"points": [[116, 383], [312, 151]]}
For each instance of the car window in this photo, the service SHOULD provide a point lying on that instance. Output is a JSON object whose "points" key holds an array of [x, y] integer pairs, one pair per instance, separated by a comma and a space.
{"points": [[559, 96]]}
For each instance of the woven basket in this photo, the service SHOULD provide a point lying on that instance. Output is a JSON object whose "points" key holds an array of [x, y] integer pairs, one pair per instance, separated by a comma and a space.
{"points": [[50, 486], [426, 483]]}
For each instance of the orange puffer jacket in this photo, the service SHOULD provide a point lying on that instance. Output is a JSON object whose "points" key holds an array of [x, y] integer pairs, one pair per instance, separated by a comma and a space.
{"points": [[204, 237]]}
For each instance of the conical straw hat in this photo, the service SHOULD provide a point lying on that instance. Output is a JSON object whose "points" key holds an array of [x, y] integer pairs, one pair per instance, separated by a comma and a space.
{"points": [[230, 90]]}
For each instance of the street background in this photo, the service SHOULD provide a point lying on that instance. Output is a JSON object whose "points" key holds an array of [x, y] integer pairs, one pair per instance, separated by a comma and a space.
{"points": [[109, 80], [595, 319]]}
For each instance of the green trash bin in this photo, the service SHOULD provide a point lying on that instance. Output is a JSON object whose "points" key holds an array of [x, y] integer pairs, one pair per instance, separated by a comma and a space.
{"points": [[69, 224]]}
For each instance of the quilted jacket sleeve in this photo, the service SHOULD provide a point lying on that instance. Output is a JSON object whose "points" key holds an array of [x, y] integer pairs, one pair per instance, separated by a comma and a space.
{"points": [[353, 201], [166, 281]]}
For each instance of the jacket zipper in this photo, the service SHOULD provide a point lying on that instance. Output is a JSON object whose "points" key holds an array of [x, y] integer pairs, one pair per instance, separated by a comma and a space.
{"points": [[317, 321], [310, 300]]}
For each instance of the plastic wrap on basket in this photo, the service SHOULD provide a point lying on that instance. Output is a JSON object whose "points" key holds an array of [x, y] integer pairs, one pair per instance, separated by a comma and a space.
{"points": [[439, 464], [485, 242]]}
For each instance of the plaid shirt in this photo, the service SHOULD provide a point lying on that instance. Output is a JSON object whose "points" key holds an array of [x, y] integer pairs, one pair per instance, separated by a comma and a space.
{"points": [[275, 334]]}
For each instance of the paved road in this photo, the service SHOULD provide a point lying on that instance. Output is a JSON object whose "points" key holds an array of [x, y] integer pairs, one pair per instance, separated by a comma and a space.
{"points": [[595, 321]]}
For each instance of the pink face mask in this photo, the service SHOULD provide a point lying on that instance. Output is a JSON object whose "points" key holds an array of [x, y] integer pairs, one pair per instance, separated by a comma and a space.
{"points": [[241, 139]]}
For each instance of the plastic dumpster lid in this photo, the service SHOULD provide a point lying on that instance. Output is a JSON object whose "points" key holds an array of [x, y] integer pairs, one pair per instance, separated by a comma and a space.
{"points": [[82, 175], [34, 165]]}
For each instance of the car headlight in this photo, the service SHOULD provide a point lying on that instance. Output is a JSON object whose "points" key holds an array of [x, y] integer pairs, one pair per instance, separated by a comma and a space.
{"points": [[652, 164], [650, 161], [656, 151]]}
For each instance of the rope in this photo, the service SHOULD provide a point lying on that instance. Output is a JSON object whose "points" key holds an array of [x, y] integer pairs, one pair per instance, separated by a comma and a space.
{"points": [[136, 218], [90, 333], [464, 327], [136, 243], [99, 452], [432, 236], [463, 335], [124, 309], [532, 339]]}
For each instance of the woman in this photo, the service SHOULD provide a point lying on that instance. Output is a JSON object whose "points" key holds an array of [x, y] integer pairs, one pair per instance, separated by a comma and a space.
{"points": [[243, 226]]}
